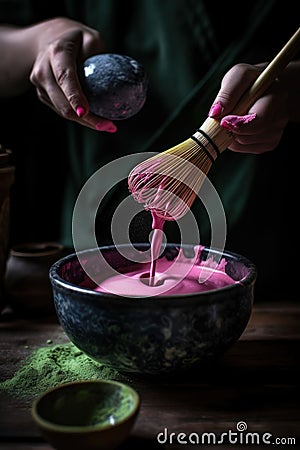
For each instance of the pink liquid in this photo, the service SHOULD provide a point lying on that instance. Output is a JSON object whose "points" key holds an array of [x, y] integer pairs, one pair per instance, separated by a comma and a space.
{"points": [[137, 187], [157, 227], [181, 276]]}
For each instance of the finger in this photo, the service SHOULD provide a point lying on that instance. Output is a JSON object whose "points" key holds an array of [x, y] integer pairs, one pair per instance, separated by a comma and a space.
{"points": [[234, 84], [98, 123], [255, 145], [48, 91], [255, 149], [60, 106], [92, 44], [64, 68], [50, 94], [237, 124], [43, 97], [268, 113]]}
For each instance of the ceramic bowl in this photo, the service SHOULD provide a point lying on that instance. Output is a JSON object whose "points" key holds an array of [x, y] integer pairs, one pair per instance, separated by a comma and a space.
{"points": [[151, 335], [86, 414]]}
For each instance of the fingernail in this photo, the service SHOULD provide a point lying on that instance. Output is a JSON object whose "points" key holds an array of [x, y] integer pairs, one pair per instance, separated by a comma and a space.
{"points": [[227, 125], [216, 110], [106, 125], [80, 111], [232, 123]]}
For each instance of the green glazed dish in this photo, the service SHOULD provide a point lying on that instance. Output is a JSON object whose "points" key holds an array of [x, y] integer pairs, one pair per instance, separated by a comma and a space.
{"points": [[86, 414]]}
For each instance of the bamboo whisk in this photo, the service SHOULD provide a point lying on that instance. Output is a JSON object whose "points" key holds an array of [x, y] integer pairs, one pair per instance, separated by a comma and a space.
{"points": [[168, 183]]}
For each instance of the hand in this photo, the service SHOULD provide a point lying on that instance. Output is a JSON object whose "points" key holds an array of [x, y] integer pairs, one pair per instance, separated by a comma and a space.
{"points": [[62, 43], [46, 54], [261, 129]]}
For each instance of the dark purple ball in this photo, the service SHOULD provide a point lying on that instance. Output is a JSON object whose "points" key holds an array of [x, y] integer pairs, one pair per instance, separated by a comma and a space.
{"points": [[115, 85]]}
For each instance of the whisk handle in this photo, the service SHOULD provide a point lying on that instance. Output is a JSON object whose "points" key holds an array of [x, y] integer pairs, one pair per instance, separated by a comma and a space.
{"points": [[269, 74]]}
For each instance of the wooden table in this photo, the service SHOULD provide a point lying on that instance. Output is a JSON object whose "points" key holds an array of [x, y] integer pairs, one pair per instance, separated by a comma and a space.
{"points": [[257, 382]]}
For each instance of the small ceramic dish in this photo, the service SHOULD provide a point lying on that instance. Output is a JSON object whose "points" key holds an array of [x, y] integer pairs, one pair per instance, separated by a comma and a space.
{"points": [[86, 414]]}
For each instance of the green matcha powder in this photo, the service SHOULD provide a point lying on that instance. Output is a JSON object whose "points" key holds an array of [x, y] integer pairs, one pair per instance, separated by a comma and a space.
{"points": [[49, 366]]}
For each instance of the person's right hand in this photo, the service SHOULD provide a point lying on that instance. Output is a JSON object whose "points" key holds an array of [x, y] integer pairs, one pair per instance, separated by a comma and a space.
{"points": [[261, 129]]}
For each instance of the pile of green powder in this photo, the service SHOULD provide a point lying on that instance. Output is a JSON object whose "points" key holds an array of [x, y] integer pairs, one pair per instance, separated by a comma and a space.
{"points": [[49, 366]]}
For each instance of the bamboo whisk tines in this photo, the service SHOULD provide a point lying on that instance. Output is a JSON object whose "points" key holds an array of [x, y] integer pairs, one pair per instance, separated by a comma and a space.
{"points": [[168, 183]]}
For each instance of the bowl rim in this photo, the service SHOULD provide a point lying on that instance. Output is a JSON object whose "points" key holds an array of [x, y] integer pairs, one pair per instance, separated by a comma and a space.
{"points": [[58, 280], [82, 429]]}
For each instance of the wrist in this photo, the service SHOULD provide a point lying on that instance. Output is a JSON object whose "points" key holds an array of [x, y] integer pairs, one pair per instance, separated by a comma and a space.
{"points": [[16, 60]]}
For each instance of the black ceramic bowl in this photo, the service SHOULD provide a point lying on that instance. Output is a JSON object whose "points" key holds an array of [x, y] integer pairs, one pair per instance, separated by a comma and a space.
{"points": [[151, 335]]}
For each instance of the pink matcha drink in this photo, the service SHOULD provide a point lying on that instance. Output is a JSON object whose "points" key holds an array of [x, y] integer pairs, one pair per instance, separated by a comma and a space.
{"points": [[181, 276]]}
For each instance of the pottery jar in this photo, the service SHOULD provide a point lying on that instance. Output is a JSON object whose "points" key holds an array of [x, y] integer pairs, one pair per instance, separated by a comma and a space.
{"points": [[27, 285], [7, 174]]}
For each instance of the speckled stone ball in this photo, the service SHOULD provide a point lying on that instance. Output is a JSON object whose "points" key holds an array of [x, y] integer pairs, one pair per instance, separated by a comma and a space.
{"points": [[115, 85]]}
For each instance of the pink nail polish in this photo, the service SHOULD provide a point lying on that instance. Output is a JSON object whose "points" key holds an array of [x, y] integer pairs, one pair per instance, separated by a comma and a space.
{"points": [[108, 126], [227, 125], [80, 111], [232, 123], [216, 110]]}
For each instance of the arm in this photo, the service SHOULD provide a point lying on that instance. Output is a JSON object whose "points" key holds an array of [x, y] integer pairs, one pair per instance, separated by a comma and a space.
{"points": [[17, 57], [262, 128], [46, 55]]}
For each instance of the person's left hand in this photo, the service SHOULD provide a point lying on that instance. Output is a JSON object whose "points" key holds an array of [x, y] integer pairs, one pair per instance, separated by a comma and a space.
{"points": [[60, 44]]}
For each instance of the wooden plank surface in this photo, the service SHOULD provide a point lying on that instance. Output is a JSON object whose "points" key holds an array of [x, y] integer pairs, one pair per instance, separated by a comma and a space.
{"points": [[257, 381]]}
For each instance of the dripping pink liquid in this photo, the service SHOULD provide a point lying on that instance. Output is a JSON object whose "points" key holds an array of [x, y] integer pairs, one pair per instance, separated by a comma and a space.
{"points": [[136, 185], [157, 227]]}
